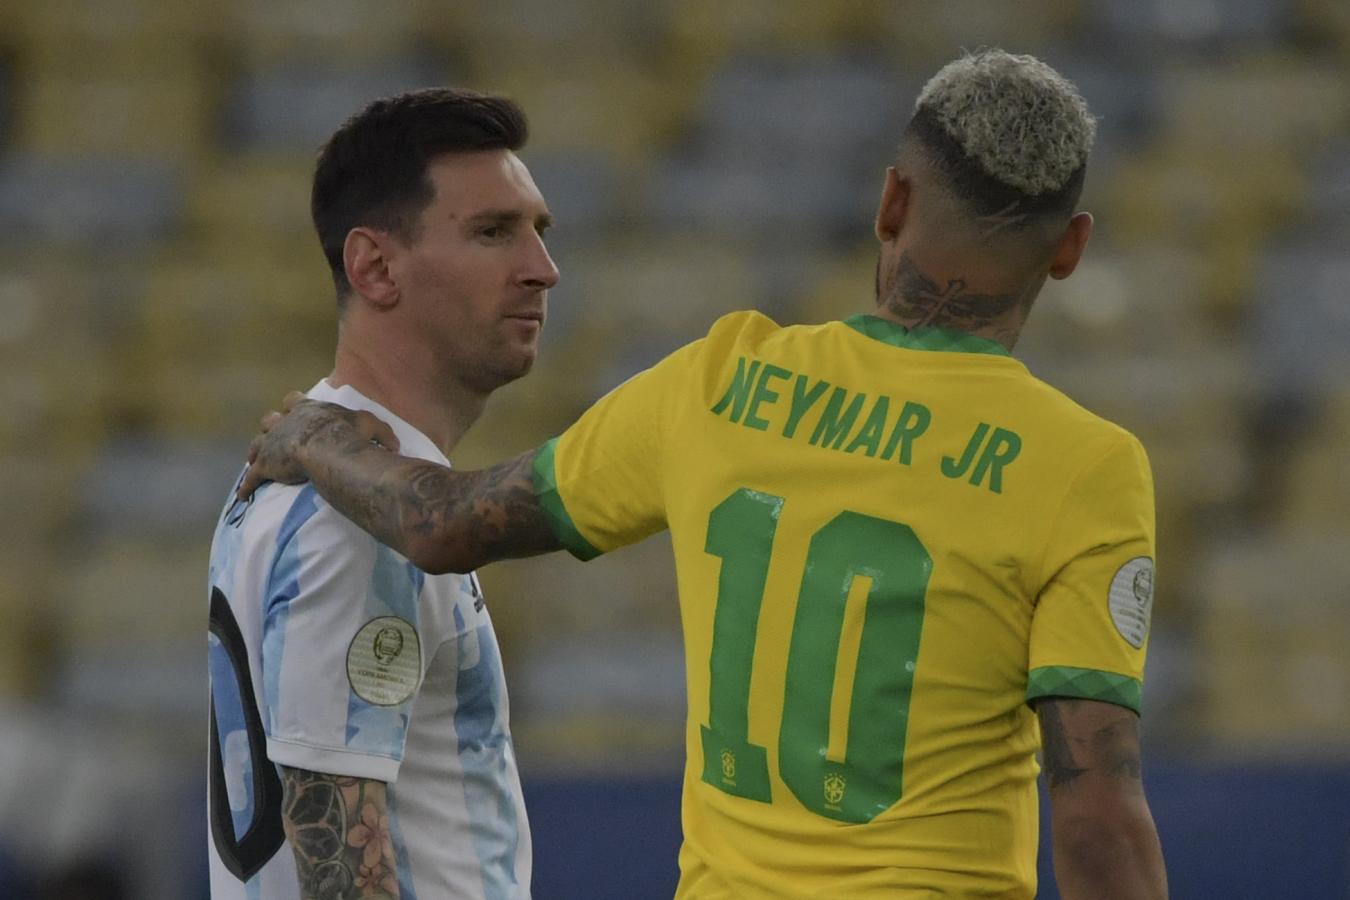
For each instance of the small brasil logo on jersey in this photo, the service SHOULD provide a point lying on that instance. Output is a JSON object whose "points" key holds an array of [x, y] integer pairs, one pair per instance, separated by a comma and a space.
{"points": [[834, 789], [729, 766]]}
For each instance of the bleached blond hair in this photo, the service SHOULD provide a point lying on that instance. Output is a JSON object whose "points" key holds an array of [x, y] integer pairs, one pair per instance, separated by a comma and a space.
{"points": [[1022, 122]]}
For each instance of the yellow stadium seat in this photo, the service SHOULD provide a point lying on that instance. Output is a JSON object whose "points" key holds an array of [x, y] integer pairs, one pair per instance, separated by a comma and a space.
{"points": [[606, 107], [345, 31], [120, 21], [711, 29], [1317, 485], [53, 393], [1137, 300], [155, 114], [216, 305], [158, 587], [39, 486], [1262, 103], [28, 638], [255, 199], [220, 342], [211, 399], [1273, 634], [145, 52], [1208, 203], [660, 291], [1327, 19], [925, 35]]}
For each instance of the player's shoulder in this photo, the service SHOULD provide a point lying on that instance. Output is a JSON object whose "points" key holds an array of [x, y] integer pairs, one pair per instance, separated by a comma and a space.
{"points": [[743, 326], [282, 515], [1089, 433], [749, 332]]}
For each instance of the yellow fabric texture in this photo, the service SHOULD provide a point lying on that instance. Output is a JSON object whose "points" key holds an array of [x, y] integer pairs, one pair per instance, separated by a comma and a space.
{"points": [[1028, 508]]}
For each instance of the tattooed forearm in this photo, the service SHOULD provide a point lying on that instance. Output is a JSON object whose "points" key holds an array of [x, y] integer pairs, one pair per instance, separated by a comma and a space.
{"points": [[1105, 843], [1079, 737], [439, 518], [338, 829], [1060, 768]]}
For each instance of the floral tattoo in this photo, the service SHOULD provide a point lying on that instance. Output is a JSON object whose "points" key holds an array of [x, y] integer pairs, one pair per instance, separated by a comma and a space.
{"points": [[339, 830]]}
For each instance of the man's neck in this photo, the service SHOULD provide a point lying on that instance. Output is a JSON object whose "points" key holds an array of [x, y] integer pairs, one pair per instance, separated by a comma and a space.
{"points": [[945, 296], [443, 412]]}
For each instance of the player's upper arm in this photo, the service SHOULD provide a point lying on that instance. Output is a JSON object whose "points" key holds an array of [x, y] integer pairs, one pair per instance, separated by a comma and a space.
{"points": [[329, 594], [603, 481], [1091, 754], [1103, 836], [338, 828], [1089, 630], [459, 521]]}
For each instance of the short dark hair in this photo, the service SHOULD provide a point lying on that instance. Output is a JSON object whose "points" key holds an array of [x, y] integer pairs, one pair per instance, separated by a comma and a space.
{"points": [[373, 170], [983, 193]]}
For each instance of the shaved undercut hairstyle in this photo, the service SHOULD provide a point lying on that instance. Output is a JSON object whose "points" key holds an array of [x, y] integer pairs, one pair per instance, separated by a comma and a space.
{"points": [[1009, 135], [373, 170]]}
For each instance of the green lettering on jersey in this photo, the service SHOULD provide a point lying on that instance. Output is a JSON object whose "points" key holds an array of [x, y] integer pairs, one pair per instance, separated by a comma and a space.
{"points": [[1001, 450], [869, 436], [834, 427], [763, 394], [739, 391], [802, 400], [914, 420], [953, 469]]}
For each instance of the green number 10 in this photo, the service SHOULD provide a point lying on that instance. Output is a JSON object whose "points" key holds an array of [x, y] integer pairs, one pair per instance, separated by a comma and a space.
{"points": [[866, 778]]}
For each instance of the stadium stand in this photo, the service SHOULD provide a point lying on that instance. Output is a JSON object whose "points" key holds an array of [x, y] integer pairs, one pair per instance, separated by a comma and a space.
{"points": [[160, 286]]}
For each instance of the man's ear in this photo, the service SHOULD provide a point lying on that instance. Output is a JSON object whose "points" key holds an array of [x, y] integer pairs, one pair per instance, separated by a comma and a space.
{"points": [[1071, 245], [894, 208], [365, 257]]}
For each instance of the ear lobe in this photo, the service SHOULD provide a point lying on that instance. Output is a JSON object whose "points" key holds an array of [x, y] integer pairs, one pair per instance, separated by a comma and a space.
{"points": [[366, 261], [1071, 246], [894, 207]]}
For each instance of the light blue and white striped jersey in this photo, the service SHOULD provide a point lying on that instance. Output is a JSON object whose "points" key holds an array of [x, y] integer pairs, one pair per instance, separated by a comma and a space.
{"points": [[331, 652]]}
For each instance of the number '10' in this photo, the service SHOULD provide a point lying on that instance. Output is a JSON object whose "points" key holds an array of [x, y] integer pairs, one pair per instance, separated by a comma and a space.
{"points": [[867, 780]]}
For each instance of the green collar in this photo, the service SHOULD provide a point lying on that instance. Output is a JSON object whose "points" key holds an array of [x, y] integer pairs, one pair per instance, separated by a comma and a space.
{"points": [[931, 338]]}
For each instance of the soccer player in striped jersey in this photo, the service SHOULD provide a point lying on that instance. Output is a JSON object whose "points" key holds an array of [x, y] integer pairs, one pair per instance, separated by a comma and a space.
{"points": [[359, 711], [904, 562]]}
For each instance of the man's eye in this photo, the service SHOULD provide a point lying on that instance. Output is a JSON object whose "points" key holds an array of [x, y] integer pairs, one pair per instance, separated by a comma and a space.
{"points": [[493, 232]]}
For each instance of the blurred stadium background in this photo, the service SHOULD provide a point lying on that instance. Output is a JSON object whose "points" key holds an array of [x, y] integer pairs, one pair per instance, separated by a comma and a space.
{"points": [[160, 286]]}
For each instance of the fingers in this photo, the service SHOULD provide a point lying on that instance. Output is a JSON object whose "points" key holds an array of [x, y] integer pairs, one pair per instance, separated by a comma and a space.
{"points": [[372, 428], [251, 481], [288, 403]]}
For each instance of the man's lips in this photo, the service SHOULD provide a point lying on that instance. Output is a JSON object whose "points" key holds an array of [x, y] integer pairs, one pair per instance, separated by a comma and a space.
{"points": [[529, 316]]}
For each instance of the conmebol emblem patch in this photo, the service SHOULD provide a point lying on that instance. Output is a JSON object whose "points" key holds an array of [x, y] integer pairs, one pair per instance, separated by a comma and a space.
{"points": [[1131, 600]]}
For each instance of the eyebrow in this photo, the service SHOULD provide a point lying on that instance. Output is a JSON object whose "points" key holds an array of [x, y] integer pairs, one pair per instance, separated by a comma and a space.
{"points": [[508, 217]]}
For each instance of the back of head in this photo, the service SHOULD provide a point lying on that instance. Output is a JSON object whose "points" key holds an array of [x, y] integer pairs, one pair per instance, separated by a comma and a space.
{"points": [[1008, 135], [374, 169]]}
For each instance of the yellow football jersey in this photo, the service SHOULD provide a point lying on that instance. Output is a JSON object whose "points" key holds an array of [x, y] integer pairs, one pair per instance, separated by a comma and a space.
{"points": [[887, 542]]}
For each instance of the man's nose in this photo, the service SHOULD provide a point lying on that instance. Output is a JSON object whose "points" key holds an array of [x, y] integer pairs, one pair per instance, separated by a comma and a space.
{"points": [[540, 271]]}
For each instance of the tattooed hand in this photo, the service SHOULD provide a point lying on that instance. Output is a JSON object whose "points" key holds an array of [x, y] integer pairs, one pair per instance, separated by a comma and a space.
{"points": [[277, 453]]}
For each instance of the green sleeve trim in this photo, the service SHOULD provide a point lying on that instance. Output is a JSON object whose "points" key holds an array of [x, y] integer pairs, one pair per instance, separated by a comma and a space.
{"points": [[546, 492], [1084, 684]]}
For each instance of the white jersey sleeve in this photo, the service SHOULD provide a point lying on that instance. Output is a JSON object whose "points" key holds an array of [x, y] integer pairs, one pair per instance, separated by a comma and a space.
{"points": [[342, 651]]}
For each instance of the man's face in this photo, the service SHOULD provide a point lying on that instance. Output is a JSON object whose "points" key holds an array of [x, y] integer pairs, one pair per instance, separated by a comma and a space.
{"points": [[477, 276]]}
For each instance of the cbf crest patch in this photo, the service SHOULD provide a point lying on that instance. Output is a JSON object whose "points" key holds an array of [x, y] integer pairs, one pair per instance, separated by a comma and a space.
{"points": [[384, 661], [1131, 600]]}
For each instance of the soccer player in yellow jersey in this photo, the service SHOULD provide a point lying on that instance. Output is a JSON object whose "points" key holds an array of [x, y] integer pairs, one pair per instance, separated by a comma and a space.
{"points": [[896, 548]]}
